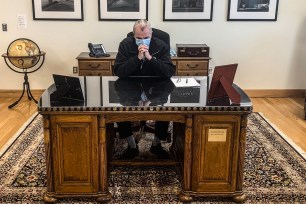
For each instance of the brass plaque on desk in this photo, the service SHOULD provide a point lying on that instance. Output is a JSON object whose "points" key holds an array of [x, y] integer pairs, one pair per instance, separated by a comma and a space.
{"points": [[217, 135]]}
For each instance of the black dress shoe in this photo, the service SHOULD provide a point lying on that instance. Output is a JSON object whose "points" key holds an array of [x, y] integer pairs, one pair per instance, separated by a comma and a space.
{"points": [[129, 153], [159, 151]]}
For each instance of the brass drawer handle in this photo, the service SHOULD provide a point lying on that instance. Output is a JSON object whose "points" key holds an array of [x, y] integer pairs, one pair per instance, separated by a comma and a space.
{"points": [[196, 65], [196, 74], [94, 67]]}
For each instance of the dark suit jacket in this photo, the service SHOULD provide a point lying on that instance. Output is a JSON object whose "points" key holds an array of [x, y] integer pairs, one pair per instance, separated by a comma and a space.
{"points": [[127, 63]]}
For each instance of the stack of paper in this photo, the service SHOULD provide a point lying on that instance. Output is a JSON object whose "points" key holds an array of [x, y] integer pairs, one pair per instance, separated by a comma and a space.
{"points": [[185, 82]]}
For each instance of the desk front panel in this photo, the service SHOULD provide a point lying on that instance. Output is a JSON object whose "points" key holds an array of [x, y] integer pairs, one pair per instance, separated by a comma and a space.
{"points": [[215, 140], [74, 141]]}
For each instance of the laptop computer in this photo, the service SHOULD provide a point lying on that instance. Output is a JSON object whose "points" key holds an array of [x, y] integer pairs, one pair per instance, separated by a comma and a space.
{"points": [[67, 87]]}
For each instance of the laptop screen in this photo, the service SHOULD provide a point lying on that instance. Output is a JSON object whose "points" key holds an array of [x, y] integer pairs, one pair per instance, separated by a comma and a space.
{"points": [[67, 87]]}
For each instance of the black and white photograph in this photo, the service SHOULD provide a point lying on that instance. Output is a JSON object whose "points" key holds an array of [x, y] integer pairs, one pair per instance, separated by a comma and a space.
{"points": [[57, 5], [123, 10], [123, 5], [57, 9], [253, 5], [188, 6], [252, 10], [188, 10]]}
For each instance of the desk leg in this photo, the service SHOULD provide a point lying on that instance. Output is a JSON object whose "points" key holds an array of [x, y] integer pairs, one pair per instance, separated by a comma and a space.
{"points": [[186, 183], [240, 197], [106, 196], [48, 196]]}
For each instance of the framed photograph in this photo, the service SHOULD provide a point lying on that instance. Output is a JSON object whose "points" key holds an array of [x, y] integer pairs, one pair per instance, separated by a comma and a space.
{"points": [[70, 10], [123, 10], [188, 10], [252, 10]]}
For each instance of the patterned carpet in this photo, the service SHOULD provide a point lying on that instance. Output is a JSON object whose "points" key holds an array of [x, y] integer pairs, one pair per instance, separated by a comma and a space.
{"points": [[274, 172]]}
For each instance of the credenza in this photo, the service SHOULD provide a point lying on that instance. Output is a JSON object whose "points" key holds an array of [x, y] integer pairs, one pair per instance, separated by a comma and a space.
{"points": [[208, 141], [185, 66]]}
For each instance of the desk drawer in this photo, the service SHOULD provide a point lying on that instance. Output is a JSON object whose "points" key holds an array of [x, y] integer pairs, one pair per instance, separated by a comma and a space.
{"points": [[192, 73], [192, 65], [92, 72], [92, 65]]}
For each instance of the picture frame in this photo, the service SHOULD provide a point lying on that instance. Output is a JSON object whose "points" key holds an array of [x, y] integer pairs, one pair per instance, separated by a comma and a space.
{"points": [[122, 10], [69, 10], [188, 10], [252, 10]]}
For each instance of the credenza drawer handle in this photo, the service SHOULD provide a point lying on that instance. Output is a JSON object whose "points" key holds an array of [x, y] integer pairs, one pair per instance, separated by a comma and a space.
{"points": [[94, 67], [196, 65]]}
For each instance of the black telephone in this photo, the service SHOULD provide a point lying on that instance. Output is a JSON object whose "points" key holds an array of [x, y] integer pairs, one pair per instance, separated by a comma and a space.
{"points": [[97, 50]]}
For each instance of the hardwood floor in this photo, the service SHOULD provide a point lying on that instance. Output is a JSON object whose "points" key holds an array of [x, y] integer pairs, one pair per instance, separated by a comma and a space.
{"points": [[11, 120], [285, 113]]}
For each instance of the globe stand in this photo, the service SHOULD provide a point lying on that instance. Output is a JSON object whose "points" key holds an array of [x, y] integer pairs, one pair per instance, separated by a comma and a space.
{"points": [[25, 71], [26, 87]]}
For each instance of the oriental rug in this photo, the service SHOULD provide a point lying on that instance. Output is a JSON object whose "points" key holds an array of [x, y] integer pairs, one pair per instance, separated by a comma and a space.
{"points": [[274, 172]]}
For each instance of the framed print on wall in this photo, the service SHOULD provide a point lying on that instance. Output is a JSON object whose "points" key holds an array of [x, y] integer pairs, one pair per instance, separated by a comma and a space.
{"points": [[188, 10], [123, 10], [252, 10], [70, 10]]}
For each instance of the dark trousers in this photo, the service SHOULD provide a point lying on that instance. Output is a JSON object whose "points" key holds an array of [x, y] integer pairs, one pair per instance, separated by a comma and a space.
{"points": [[161, 129]]}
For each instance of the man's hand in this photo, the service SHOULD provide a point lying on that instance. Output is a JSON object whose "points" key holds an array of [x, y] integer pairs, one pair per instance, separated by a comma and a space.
{"points": [[143, 52]]}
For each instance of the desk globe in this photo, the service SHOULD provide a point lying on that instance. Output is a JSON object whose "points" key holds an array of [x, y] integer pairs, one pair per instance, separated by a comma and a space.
{"points": [[24, 56]]}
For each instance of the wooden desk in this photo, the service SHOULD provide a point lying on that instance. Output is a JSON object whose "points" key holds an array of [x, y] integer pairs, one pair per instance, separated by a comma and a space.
{"points": [[208, 141], [185, 66]]}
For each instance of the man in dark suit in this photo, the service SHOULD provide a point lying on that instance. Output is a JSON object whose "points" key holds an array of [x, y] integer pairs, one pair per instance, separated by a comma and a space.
{"points": [[143, 55]]}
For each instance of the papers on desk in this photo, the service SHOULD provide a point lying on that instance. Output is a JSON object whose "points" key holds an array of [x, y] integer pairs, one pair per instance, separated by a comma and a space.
{"points": [[185, 82]]}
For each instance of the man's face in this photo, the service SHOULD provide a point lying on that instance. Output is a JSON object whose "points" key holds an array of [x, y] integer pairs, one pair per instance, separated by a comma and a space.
{"points": [[142, 34]]}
